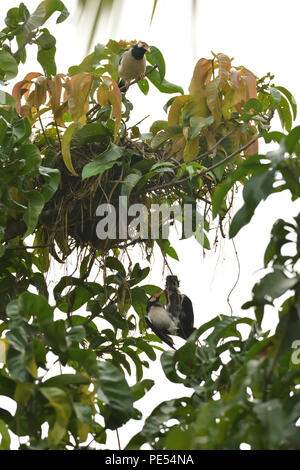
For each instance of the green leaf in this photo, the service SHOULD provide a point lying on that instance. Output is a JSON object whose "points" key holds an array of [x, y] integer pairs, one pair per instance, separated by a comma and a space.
{"points": [[52, 179], [46, 57], [8, 66], [254, 104], [163, 85], [250, 166], [34, 208], [155, 57], [60, 401], [30, 153], [83, 412], [129, 183], [115, 393], [21, 131], [284, 113], [103, 162], [158, 126], [290, 98], [66, 379], [139, 389], [274, 285], [256, 189], [198, 123], [94, 132], [5, 437], [143, 86], [116, 265], [44, 10], [292, 139]]}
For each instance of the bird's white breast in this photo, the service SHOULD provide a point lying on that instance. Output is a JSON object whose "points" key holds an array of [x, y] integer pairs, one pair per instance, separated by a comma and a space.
{"points": [[162, 320], [131, 68]]}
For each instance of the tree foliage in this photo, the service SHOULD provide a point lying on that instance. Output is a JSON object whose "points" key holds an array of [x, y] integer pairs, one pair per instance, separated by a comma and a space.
{"points": [[65, 148]]}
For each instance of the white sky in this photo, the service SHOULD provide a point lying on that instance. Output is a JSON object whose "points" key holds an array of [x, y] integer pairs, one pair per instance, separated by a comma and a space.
{"points": [[264, 37]]}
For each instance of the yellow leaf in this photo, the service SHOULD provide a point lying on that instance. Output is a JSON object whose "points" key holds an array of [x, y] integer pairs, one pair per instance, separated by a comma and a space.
{"points": [[191, 149], [83, 430], [32, 367], [3, 349], [201, 76], [65, 146], [175, 109], [23, 392]]}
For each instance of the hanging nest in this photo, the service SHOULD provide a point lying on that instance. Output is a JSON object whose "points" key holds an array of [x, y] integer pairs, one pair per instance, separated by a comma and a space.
{"points": [[69, 218]]}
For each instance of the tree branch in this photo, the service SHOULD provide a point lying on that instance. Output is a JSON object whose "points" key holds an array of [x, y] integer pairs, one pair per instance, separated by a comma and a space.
{"points": [[207, 170], [29, 38]]}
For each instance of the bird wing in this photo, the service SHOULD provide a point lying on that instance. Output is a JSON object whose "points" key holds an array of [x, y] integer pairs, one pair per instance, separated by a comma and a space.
{"points": [[186, 317], [164, 337]]}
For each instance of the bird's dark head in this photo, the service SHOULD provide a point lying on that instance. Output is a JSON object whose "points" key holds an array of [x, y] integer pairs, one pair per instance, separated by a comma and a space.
{"points": [[172, 283], [139, 50]]}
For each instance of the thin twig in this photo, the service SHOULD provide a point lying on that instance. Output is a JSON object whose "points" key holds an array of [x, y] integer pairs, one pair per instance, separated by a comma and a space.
{"points": [[207, 170], [28, 247], [57, 131], [213, 147], [30, 36], [237, 279], [125, 88]]}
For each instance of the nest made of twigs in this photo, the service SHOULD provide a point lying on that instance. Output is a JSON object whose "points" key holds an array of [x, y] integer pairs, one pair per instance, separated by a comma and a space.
{"points": [[69, 217]]}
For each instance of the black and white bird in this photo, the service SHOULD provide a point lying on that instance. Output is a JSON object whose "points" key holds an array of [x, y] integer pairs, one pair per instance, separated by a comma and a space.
{"points": [[133, 64], [176, 319]]}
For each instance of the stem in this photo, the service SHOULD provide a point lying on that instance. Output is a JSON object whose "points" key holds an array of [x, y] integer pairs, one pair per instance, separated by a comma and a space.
{"points": [[30, 36]]}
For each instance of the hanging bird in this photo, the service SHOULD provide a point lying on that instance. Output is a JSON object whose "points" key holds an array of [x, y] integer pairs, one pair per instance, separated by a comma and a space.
{"points": [[133, 64], [180, 307], [176, 319], [160, 321]]}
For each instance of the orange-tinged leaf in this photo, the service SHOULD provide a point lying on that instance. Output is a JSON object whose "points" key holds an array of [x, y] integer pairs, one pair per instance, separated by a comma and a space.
{"points": [[55, 88], [175, 109], [40, 92], [224, 69], [65, 145], [214, 100], [109, 93], [201, 76], [244, 82], [77, 92]]}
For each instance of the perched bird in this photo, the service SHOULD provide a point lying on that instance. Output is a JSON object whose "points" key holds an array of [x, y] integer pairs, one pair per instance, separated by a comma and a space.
{"points": [[176, 319], [133, 64], [180, 307], [160, 321]]}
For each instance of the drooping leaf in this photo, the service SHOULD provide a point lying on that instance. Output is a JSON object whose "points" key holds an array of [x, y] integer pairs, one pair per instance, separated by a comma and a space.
{"points": [[60, 401], [65, 146]]}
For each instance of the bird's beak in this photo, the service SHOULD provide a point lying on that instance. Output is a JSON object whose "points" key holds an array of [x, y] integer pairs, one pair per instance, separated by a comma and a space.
{"points": [[146, 47], [158, 294]]}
